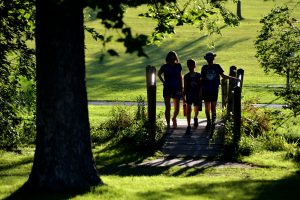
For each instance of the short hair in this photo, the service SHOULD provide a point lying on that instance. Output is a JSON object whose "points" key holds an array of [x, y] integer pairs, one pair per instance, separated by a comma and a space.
{"points": [[191, 62], [170, 55]]}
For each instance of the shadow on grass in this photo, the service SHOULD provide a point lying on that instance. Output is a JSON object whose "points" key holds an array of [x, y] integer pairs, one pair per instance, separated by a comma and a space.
{"points": [[24, 161], [113, 160], [287, 188], [27, 193]]}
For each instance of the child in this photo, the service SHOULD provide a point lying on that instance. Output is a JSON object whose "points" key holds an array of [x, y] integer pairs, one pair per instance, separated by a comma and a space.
{"points": [[210, 75], [192, 93], [172, 81]]}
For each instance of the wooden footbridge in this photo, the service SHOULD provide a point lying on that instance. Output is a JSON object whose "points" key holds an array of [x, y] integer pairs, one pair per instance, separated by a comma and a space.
{"points": [[199, 143]]}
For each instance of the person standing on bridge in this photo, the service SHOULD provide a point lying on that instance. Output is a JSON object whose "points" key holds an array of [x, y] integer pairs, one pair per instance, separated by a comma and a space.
{"points": [[170, 75], [192, 93], [210, 74]]}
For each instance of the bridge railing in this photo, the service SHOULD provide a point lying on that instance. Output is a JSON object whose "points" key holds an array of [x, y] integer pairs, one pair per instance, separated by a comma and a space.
{"points": [[231, 98], [151, 99]]}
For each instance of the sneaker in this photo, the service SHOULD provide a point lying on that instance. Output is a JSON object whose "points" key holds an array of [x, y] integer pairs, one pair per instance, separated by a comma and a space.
{"points": [[174, 123], [195, 122], [208, 126], [188, 130]]}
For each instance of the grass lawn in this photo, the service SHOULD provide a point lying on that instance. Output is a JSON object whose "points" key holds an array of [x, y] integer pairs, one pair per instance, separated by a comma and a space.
{"points": [[267, 175], [123, 78]]}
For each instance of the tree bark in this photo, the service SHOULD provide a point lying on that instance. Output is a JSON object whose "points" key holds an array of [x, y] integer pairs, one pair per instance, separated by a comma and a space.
{"points": [[63, 158], [239, 10]]}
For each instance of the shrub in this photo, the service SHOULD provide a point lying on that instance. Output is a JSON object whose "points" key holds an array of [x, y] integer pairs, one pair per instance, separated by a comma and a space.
{"points": [[255, 122], [128, 127], [247, 145]]}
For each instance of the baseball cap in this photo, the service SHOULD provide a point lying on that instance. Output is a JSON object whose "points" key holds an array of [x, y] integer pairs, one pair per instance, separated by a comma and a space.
{"points": [[210, 55]]}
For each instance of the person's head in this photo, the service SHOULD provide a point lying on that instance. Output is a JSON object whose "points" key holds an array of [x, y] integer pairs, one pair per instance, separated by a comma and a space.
{"points": [[210, 56], [172, 57], [191, 64]]}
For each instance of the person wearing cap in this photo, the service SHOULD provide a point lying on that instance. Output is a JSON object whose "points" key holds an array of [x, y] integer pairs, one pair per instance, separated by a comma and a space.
{"points": [[171, 76], [210, 76]]}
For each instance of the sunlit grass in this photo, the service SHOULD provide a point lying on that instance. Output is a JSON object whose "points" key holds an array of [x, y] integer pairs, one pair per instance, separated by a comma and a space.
{"points": [[265, 175], [123, 78]]}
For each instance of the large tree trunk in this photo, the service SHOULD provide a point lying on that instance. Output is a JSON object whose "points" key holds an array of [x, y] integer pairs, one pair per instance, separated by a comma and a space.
{"points": [[63, 158]]}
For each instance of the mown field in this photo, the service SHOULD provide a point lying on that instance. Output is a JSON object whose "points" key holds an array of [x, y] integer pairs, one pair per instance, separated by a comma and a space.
{"points": [[264, 175], [123, 78]]}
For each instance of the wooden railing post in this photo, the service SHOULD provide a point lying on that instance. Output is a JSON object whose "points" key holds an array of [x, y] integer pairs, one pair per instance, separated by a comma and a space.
{"points": [[240, 75], [237, 118], [151, 98], [224, 87], [232, 84]]}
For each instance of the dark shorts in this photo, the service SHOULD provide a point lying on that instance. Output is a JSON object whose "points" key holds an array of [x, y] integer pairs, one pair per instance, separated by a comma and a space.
{"points": [[210, 95], [193, 100], [171, 92]]}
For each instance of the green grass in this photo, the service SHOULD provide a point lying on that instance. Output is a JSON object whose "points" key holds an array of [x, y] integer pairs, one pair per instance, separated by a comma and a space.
{"points": [[268, 175], [123, 78]]}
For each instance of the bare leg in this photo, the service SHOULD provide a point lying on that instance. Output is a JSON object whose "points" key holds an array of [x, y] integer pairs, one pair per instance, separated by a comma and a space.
{"points": [[207, 112], [167, 110], [213, 111], [196, 111], [176, 111], [188, 116]]}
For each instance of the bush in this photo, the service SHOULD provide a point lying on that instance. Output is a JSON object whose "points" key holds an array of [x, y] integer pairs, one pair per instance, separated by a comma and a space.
{"points": [[129, 128], [255, 121], [247, 145], [273, 142], [17, 117]]}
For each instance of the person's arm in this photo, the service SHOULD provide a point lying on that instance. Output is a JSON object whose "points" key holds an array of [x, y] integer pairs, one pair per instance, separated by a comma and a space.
{"points": [[184, 89], [159, 74], [229, 77]]}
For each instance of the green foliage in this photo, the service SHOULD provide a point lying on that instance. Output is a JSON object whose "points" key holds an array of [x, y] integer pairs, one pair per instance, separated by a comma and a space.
{"points": [[255, 121], [278, 49], [273, 142], [260, 131], [129, 128], [291, 95], [16, 65], [247, 145], [255, 134]]}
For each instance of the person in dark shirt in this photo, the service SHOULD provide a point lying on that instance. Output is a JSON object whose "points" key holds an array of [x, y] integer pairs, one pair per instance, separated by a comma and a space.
{"points": [[192, 93], [210, 75], [171, 76]]}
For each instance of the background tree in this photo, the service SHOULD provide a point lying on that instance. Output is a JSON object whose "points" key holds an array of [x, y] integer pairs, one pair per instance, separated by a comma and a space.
{"points": [[63, 158], [278, 50], [239, 9], [16, 64]]}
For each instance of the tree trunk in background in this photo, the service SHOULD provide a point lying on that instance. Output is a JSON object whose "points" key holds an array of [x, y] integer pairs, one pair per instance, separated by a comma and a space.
{"points": [[63, 158], [239, 10]]}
